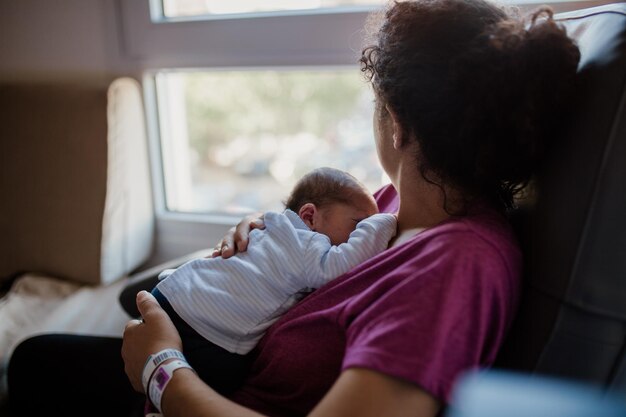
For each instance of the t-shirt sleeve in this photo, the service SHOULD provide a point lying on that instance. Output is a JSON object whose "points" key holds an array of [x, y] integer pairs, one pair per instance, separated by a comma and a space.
{"points": [[433, 321], [324, 262]]}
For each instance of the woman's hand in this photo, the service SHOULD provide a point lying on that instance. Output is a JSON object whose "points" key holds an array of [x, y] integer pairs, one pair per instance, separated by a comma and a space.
{"points": [[236, 240], [187, 395], [145, 337]]}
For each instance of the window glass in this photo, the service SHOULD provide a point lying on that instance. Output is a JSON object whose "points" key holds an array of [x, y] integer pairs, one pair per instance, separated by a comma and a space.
{"points": [[181, 8], [236, 141]]}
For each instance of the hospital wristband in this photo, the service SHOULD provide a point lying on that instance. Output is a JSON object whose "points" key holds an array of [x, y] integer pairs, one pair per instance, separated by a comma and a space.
{"points": [[154, 361], [162, 376]]}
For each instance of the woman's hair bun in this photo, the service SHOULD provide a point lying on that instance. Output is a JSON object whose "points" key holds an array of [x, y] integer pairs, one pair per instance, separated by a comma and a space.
{"points": [[480, 89], [518, 80]]}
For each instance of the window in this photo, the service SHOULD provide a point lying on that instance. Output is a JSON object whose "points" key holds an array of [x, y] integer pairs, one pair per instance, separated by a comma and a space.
{"points": [[187, 8], [159, 34], [212, 151], [236, 141]]}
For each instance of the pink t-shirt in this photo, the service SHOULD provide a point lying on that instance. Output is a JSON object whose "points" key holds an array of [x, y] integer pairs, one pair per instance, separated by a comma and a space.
{"points": [[423, 311]]}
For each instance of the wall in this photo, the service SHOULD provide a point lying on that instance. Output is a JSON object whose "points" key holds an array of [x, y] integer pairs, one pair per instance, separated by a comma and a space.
{"points": [[69, 40], [61, 40]]}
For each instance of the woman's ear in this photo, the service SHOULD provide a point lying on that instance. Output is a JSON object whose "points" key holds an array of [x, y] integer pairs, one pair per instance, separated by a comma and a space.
{"points": [[398, 133], [308, 214]]}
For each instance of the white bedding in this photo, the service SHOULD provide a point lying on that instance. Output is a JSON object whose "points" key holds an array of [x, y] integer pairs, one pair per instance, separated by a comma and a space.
{"points": [[37, 304]]}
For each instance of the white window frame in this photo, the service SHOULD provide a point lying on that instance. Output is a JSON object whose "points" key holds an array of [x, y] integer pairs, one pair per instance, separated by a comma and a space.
{"points": [[157, 13], [269, 39], [308, 38], [265, 40]]}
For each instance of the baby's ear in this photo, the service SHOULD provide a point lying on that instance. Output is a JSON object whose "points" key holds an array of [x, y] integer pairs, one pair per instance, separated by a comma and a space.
{"points": [[308, 214]]}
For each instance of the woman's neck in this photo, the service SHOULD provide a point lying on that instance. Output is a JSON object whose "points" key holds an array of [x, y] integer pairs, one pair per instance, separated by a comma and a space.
{"points": [[422, 204]]}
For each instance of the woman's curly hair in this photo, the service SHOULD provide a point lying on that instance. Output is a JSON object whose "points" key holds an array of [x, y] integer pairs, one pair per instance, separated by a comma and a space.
{"points": [[480, 89]]}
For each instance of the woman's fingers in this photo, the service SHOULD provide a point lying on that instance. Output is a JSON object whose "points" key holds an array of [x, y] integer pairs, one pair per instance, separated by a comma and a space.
{"points": [[257, 223], [240, 239], [148, 306], [236, 239], [151, 334], [133, 323], [242, 230], [226, 244]]}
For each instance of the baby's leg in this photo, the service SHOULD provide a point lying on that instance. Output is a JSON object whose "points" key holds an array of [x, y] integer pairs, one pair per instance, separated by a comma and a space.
{"points": [[220, 369], [223, 371]]}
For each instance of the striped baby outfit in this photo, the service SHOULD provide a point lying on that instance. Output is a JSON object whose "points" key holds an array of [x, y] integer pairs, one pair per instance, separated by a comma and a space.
{"points": [[231, 302]]}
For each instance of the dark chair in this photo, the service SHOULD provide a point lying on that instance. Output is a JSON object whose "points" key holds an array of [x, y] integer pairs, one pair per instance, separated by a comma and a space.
{"points": [[572, 321]]}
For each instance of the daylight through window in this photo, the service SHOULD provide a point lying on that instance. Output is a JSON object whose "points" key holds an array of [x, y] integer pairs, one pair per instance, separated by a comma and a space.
{"points": [[236, 141], [181, 8]]}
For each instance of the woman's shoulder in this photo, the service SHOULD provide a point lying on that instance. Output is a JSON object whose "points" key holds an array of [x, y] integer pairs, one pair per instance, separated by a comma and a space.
{"points": [[483, 232], [478, 249], [483, 228]]}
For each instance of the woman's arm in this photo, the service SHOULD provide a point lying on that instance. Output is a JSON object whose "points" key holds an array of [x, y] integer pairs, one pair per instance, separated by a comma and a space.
{"points": [[357, 391], [363, 392], [187, 395]]}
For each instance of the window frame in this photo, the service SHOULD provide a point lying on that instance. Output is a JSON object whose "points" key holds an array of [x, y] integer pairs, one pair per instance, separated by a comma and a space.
{"points": [[255, 40], [157, 13], [161, 143], [262, 40], [156, 45]]}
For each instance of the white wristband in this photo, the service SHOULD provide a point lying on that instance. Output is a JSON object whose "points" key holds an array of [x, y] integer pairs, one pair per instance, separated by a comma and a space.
{"points": [[162, 376], [154, 361]]}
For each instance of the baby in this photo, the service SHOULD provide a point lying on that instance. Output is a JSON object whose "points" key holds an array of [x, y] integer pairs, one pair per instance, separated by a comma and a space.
{"points": [[222, 307]]}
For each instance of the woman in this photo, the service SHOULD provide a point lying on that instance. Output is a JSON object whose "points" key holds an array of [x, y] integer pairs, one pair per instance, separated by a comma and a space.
{"points": [[465, 101]]}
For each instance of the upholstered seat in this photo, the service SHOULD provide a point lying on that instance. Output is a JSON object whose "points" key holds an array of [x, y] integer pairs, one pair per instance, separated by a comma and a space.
{"points": [[573, 317]]}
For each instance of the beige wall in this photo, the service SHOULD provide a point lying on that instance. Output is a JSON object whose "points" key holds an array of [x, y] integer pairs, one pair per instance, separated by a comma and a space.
{"points": [[60, 39]]}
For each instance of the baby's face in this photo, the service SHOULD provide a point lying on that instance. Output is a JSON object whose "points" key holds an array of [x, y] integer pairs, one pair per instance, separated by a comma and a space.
{"points": [[339, 220]]}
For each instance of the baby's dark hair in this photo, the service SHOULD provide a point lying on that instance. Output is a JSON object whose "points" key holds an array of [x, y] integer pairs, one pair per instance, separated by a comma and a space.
{"points": [[480, 89], [324, 186]]}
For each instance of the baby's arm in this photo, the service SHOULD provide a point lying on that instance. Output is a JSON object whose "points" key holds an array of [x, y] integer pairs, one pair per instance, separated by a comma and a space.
{"points": [[325, 262]]}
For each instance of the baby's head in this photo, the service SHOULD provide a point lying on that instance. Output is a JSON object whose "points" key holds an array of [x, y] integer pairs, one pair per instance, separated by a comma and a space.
{"points": [[331, 202]]}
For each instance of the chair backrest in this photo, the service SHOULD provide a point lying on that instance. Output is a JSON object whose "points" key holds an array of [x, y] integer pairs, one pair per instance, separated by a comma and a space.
{"points": [[75, 196], [572, 321]]}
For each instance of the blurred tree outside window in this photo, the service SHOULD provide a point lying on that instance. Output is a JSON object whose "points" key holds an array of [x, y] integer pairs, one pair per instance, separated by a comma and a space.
{"points": [[236, 141]]}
